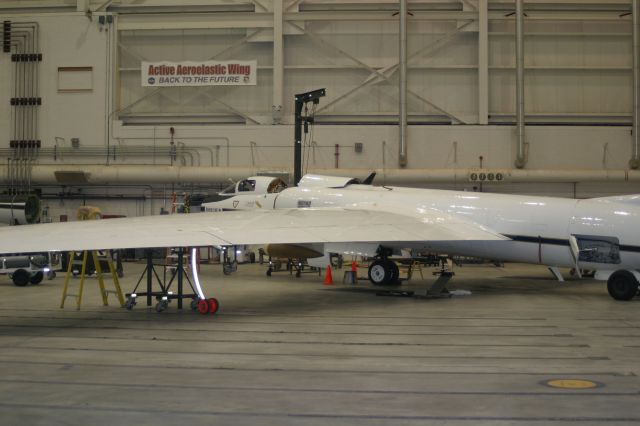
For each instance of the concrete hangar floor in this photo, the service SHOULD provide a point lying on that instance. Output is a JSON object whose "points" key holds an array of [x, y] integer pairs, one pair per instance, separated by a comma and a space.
{"points": [[291, 351]]}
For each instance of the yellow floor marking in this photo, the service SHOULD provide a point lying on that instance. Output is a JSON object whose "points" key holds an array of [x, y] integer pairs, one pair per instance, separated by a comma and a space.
{"points": [[572, 384]]}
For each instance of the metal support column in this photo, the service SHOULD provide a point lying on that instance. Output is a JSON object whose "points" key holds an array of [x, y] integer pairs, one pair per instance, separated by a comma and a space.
{"points": [[180, 272], [483, 62], [634, 162], [402, 86], [149, 253], [278, 61], [520, 159]]}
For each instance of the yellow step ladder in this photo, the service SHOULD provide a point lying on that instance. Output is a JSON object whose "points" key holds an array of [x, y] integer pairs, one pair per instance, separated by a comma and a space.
{"points": [[96, 262]]}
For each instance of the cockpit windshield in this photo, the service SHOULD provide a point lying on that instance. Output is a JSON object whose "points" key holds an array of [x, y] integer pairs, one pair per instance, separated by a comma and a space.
{"points": [[247, 185], [231, 189], [255, 185]]}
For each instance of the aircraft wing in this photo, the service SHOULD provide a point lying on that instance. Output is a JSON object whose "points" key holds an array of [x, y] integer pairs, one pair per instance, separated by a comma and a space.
{"points": [[239, 228]]}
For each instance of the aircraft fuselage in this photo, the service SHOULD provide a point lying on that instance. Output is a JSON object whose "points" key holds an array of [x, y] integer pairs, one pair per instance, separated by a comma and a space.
{"points": [[602, 234]]}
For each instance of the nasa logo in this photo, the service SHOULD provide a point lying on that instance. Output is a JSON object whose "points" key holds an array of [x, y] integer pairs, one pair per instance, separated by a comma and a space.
{"points": [[152, 80]]}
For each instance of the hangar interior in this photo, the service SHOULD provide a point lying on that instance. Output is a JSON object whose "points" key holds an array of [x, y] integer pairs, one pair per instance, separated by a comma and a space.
{"points": [[105, 139], [535, 97]]}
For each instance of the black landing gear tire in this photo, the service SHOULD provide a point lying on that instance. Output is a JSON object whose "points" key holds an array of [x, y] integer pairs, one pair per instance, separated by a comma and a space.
{"points": [[383, 272], [622, 285]]}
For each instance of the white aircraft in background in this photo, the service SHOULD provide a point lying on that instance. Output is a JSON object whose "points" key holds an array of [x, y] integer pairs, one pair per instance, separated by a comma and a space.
{"points": [[341, 215]]}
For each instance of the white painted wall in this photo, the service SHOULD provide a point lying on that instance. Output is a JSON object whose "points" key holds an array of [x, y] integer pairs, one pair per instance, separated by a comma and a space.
{"points": [[67, 40], [552, 147], [593, 78]]}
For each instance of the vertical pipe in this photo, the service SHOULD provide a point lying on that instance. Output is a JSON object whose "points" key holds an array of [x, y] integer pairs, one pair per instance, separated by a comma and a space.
{"points": [[21, 93], [278, 61], [634, 162], [180, 275], [14, 112], [402, 108], [107, 92], [37, 77], [520, 160], [483, 62]]}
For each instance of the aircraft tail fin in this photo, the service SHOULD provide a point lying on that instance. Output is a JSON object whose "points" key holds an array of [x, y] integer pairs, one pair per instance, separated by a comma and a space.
{"points": [[369, 179]]}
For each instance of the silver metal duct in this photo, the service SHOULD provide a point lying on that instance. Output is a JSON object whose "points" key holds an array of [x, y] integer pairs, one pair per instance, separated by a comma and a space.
{"points": [[84, 175], [402, 109], [634, 162], [19, 209], [521, 156]]}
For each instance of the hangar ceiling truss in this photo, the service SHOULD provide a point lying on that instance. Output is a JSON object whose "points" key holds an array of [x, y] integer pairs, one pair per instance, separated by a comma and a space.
{"points": [[461, 66]]}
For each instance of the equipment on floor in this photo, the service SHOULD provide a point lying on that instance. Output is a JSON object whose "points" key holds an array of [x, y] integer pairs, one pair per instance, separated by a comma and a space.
{"points": [[97, 258], [28, 268], [176, 272], [328, 279], [300, 266]]}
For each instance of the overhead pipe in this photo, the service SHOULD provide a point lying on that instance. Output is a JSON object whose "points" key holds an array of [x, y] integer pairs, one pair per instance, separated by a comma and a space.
{"points": [[402, 96], [634, 162], [153, 175], [521, 160]]}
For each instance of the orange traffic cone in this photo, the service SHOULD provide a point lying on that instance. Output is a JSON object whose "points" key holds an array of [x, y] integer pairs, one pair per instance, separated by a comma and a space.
{"points": [[328, 279]]}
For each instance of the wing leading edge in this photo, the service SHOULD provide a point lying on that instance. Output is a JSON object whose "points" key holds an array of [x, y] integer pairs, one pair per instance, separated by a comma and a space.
{"points": [[240, 228]]}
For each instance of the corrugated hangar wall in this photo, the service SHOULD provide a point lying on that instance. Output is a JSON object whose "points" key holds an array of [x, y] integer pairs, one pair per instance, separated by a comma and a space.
{"points": [[96, 118]]}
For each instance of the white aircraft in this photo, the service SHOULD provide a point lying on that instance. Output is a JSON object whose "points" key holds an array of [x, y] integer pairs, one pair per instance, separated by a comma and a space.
{"points": [[340, 215]]}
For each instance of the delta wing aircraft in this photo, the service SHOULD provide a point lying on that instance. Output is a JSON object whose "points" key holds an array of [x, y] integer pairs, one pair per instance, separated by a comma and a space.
{"points": [[342, 215]]}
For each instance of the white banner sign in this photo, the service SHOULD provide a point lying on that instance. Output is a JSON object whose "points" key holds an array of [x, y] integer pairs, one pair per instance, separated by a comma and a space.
{"points": [[207, 73]]}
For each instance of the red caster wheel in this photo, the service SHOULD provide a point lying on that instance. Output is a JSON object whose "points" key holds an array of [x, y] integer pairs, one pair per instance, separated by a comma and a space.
{"points": [[213, 305], [203, 306]]}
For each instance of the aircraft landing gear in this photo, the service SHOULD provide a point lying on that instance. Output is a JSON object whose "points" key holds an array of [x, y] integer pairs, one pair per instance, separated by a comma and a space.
{"points": [[622, 285], [384, 272]]}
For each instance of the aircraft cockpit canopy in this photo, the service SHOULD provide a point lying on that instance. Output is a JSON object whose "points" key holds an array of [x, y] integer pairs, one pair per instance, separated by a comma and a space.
{"points": [[257, 185], [276, 185], [247, 185]]}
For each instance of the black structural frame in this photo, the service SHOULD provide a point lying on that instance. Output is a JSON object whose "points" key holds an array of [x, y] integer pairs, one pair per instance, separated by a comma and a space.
{"points": [[178, 273], [301, 99]]}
